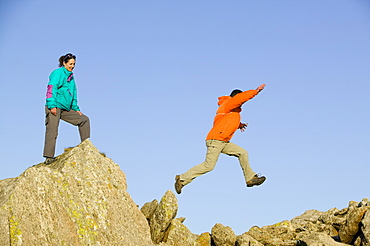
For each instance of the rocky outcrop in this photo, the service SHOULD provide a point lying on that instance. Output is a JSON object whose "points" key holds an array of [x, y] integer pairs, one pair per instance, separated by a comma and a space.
{"points": [[334, 227], [348, 226], [81, 199]]}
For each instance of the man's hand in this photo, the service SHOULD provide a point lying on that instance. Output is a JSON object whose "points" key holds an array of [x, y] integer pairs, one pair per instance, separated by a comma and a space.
{"points": [[260, 88], [242, 126], [79, 112]]}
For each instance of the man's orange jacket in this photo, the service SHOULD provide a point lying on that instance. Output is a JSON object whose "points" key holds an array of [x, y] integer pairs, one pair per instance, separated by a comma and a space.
{"points": [[227, 119]]}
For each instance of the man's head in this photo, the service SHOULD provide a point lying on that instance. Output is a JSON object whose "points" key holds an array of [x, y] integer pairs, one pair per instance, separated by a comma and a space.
{"points": [[235, 92]]}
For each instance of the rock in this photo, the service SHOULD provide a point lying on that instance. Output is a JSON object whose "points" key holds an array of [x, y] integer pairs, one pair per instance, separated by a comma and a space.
{"points": [[278, 234], [333, 218], [365, 228], [203, 240], [247, 240], [348, 231], [364, 203], [181, 219], [223, 235], [316, 221], [148, 209], [164, 213], [318, 239], [179, 234], [80, 199], [279, 242], [308, 217], [358, 242]]}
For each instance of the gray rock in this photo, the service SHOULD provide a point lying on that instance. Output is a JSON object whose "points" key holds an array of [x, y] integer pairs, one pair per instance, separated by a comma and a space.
{"points": [[223, 235], [148, 209], [247, 240], [364, 203], [179, 234], [318, 239], [164, 213], [333, 217], [365, 229], [308, 217], [80, 199]]}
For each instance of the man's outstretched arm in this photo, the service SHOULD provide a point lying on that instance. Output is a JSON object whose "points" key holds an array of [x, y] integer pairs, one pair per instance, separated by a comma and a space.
{"points": [[260, 88], [239, 99]]}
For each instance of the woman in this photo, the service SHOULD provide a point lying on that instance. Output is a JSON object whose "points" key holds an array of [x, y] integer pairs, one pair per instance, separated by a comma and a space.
{"points": [[61, 103]]}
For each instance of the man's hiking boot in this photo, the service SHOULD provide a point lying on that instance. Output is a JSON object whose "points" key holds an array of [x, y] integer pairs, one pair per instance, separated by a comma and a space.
{"points": [[256, 181], [49, 160], [178, 184]]}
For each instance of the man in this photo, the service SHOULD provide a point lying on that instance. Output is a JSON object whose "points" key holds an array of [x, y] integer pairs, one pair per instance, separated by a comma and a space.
{"points": [[226, 122]]}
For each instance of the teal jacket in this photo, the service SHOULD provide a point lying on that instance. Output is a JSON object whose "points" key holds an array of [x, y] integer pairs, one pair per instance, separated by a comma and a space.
{"points": [[61, 91]]}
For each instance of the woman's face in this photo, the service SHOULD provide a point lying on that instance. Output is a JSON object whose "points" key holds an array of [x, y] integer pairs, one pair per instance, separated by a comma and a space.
{"points": [[70, 64]]}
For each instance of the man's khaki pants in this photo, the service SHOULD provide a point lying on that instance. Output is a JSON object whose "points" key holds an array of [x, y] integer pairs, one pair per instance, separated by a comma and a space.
{"points": [[214, 149], [52, 124]]}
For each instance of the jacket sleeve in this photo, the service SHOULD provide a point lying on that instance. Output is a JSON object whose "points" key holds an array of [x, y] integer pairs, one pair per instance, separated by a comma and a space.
{"points": [[52, 89], [239, 99], [75, 107]]}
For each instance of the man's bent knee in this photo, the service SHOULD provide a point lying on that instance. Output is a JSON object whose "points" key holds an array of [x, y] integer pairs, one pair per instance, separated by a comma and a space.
{"points": [[208, 166]]}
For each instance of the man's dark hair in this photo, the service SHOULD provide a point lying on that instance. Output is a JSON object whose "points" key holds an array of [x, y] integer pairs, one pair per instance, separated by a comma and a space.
{"points": [[234, 92]]}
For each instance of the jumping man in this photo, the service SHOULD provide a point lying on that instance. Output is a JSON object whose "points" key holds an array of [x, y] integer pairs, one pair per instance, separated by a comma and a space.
{"points": [[226, 122]]}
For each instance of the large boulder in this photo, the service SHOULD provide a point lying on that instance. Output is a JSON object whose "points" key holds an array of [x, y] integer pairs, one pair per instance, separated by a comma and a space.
{"points": [[80, 199]]}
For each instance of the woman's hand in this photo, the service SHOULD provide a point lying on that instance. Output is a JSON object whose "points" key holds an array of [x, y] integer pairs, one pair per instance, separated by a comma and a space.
{"points": [[53, 111]]}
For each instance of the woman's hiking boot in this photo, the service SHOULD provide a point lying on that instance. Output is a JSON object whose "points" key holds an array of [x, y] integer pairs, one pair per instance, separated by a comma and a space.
{"points": [[49, 160]]}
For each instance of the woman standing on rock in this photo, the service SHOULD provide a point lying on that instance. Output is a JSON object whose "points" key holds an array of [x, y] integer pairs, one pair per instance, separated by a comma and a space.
{"points": [[61, 103]]}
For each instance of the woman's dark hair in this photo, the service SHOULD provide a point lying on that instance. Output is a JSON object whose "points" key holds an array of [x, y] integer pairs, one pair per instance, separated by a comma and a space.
{"points": [[66, 58], [234, 92]]}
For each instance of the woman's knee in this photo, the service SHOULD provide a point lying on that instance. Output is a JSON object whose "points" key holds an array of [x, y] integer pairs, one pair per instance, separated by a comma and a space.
{"points": [[84, 119]]}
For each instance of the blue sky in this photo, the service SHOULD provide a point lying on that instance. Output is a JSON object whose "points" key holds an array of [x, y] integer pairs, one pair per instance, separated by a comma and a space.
{"points": [[149, 73]]}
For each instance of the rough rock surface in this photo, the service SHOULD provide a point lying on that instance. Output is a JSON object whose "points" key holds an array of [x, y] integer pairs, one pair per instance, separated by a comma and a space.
{"points": [[365, 226], [162, 216], [148, 209], [247, 240], [223, 235], [319, 239], [178, 234], [80, 199], [348, 231]]}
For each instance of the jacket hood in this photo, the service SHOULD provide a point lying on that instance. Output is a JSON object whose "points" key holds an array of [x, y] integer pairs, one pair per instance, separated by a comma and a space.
{"points": [[222, 99]]}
